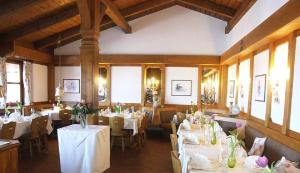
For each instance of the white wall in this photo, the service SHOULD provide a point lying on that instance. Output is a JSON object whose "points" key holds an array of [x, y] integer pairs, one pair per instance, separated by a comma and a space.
{"points": [[261, 66], [231, 77], [243, 87], [295, 117], [258, 13], [175, 30], [126, 84], [68, 72], [40, 83], [181, 73]]}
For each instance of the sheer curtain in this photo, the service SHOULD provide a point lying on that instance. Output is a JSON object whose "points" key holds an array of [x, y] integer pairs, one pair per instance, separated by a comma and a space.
{"points": [[3, 79], [27, 80]]}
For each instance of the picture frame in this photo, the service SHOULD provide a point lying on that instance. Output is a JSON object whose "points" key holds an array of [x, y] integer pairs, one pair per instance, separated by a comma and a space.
{"points": [[181, 87], [71, 86], [231, 88], [260, 87]]}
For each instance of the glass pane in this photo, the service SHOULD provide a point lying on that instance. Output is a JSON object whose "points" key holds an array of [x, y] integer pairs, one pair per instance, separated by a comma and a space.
{"points": [[13, 93], [13, 72]]}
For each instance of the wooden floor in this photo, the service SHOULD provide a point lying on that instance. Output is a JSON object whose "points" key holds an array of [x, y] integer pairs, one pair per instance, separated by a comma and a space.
{"points": [[154, 157]]}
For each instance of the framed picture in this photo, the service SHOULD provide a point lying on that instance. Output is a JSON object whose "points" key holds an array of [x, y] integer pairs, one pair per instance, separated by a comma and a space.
{"points": [[260, 88], [72, 85], [181, 87], [231, 88]]}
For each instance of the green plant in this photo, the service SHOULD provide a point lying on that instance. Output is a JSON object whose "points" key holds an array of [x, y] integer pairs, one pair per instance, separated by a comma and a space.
{"points": [[192, 108], [19, 105], [82, 108]]}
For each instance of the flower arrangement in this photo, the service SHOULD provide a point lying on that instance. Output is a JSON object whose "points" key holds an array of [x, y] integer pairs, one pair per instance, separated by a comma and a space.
{"points": [[233, 144], [19, 106], [262, 162], [212, 123], [82, 109], [118, 108], [192, 108]]}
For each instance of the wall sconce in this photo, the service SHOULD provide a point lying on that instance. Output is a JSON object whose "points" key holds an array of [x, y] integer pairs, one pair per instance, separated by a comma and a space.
{"points": [[101, 88], [153, 84], [101, 82]]}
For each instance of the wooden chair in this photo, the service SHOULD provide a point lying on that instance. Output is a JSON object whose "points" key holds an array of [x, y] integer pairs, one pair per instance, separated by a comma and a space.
{"points": [[43, 130], [174, 142], [65, 116], [176, 162], [117, 124], [103, 120], [142, 131], [173, 126], [34, 136], [92, 119], [8, 130], [180, 116]]}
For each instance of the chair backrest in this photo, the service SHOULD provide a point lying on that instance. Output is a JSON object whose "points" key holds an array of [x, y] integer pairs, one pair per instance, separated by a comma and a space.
{"points": [[65, 115], [8, 130], [143, 124], [43, 124], [166, 115], [180, 116], [176, 162], [117, 125], [35, 127], [92, 119], [103, 120], [174, 141], [173, 125]]}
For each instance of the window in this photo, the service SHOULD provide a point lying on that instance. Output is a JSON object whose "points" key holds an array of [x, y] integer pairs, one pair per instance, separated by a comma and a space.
{"points": [[14, 82]]}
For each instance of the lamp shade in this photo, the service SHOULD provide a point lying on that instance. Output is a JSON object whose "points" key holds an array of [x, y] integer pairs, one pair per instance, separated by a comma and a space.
{"points": [[59, 91]]}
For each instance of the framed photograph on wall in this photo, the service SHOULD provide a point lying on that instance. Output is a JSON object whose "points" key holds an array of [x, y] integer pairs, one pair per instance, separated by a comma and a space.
{"points": [[231, 88], [181, 87], [72, 86], [260, 88]]}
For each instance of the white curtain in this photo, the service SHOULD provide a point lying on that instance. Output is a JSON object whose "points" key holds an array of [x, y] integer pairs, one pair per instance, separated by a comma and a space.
{"points": [[3, 76], [27, 80]]}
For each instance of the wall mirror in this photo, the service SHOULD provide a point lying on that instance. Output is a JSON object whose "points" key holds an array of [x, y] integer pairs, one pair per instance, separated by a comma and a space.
{"points": [[103, 84], [210, 85], [153, 85]]}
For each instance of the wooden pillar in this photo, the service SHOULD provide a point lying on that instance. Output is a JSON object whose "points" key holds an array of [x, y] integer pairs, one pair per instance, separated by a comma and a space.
{"points": [[51, 83], [90, 14], [250, 85], [223, 85], [163, 83], [200, 74]]}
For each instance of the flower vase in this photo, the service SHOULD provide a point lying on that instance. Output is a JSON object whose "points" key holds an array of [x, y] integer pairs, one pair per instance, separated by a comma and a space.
{"points": [[83, 120], [213, 140], [231, 162]]}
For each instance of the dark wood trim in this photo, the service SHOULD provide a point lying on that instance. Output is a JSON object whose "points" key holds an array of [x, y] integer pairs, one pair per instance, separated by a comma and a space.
{"points": [[226, 13], [28, 54], [244, 7], [278, 25]]}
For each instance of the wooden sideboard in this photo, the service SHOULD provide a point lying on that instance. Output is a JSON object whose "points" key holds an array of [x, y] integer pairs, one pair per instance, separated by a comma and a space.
{"points": [[9, 157]]}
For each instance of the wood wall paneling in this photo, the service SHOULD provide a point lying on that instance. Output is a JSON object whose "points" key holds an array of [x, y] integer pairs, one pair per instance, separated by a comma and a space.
{"points": [[250, 85], [200, 76], [223, 85]]}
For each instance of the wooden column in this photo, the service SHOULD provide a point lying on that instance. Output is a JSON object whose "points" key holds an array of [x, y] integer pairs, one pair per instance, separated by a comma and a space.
{"points": [[289, 83], [163, 83], [250, 85], [200, 74], [143, 89], [51, 83], [269, 91], [89, 11], [237, 85], [223, 85]]}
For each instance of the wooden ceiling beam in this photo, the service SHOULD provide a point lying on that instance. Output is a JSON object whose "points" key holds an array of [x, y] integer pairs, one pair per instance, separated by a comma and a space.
{"points": [[13, 6], [206, 5], [43, 23], [242, 10], [130, 13], [113, 12]]}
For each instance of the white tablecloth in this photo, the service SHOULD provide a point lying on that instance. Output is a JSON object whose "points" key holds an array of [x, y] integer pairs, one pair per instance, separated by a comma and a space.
{"points": [[53, 114], [23, 126], [132, 123], [84, 150], [212, 152]]}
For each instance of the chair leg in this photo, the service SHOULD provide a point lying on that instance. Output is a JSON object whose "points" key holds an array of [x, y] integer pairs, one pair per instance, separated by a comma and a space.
{"points": [[39, 144], [123, 144], [30, 148]]}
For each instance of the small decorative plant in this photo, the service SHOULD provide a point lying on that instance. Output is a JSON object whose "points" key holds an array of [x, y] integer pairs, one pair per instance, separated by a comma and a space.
{"points": [[81, 110], [192, 108], [262, 162], [118, 108], [233, 144], [213, 140], [19, 106]]}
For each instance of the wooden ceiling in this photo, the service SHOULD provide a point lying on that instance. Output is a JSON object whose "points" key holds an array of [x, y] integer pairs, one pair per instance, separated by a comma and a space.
{"points": [[41, 23]]}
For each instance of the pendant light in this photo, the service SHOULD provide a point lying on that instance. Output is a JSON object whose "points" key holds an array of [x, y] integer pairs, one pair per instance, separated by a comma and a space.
{"points": [[59, 91]]}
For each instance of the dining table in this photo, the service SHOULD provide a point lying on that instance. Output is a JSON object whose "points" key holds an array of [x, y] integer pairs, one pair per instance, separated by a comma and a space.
{"points": [[52, 113], [23, 123], [84, 150], [132, 121], [217, 154]]}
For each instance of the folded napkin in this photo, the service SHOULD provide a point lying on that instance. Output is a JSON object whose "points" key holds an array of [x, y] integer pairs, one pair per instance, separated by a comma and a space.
{"points": [[186, 125], [15, 116], [250, 162], [199, 161], [191, 139], [36, 114]]}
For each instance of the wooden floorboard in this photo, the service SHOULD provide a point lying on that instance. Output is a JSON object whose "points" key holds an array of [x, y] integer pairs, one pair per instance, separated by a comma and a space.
{"points": [[153, 157]]}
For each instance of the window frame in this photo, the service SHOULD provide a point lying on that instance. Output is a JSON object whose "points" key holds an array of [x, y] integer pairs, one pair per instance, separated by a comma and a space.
{"points": [[20, 63]]}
